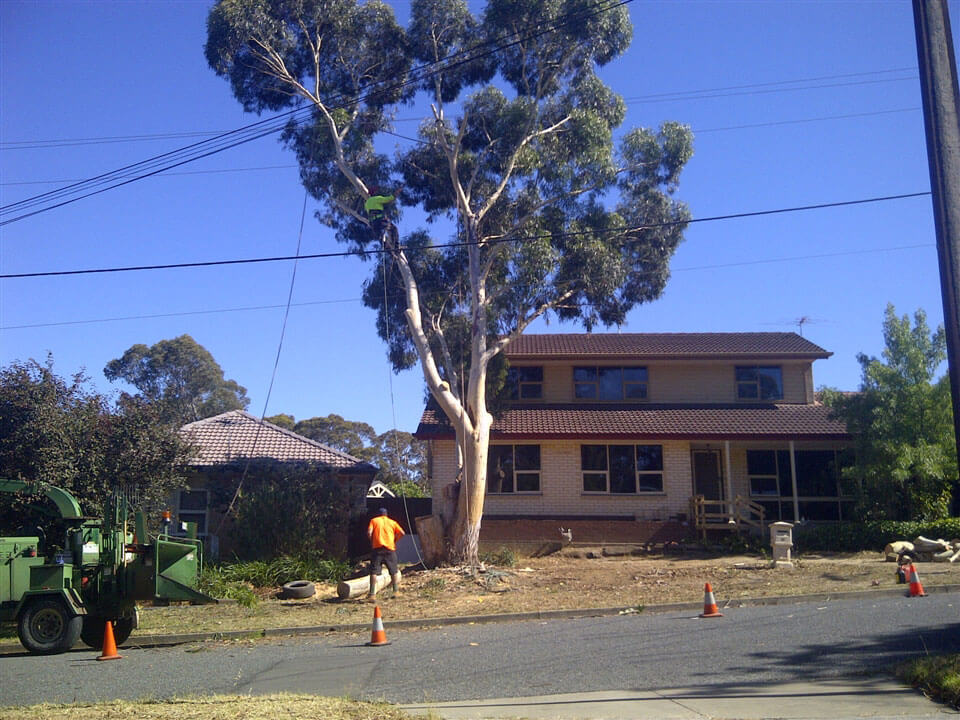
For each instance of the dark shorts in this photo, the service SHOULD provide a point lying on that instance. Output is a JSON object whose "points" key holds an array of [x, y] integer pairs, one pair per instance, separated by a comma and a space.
{"points": [[382, 556]]}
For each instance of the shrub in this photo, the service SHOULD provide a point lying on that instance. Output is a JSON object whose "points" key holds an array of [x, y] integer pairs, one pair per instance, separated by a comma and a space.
{"points": [[873, 535], [272, 573], [284, 509], [503, 557], [215, 583]]}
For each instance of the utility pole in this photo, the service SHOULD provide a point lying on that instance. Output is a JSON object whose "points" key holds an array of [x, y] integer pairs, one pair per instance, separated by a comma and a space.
{"points": [[941, 113]]}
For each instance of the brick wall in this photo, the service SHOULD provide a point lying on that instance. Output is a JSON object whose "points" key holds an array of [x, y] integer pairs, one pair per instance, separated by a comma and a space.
{"points": [[561, 485], [692, 381]]}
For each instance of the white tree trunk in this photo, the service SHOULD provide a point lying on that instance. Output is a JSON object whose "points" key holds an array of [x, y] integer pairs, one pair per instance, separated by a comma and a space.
{"points": [[465, 534]]}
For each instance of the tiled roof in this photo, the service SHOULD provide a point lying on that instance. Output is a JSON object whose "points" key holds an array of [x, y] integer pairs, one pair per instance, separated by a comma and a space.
{"points": [[724, 422], [665, 345], [230, 437]]}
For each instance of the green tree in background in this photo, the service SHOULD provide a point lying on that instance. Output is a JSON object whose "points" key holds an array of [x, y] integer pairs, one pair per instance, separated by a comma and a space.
{"points": [[179, 377], [902, 424], [400, 457], [61, 432], [517, 147], [353, 438]]}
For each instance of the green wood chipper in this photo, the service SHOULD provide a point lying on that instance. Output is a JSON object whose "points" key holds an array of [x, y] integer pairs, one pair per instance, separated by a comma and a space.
{"points": [[105, 567]]}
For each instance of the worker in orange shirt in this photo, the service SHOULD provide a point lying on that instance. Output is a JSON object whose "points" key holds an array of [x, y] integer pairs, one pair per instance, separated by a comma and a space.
{"points": [[384, 533]]}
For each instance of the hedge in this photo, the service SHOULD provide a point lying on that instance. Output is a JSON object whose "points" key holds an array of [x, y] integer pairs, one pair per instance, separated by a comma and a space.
{"points": [[873, 535]]}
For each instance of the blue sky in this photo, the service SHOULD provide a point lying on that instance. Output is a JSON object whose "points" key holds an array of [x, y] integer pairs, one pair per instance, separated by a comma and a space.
{"points": [[792, 103]]}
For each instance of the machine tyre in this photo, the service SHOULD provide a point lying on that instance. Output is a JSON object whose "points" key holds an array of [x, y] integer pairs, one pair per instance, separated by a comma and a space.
{"points": [[299, 589], [92, 632], [46, 626]]}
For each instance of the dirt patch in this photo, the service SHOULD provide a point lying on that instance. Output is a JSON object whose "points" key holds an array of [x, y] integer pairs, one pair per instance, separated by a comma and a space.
{"points": [[562, 581], [575, 578]]}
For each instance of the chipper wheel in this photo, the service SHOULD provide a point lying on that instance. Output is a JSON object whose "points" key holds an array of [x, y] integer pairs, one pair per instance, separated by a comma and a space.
{"points": [[45, 626], [92, 632]]}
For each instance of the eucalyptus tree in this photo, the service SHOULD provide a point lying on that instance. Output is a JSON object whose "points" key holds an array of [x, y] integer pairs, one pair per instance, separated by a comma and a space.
{"points": [[180, 377], [516, 146]]}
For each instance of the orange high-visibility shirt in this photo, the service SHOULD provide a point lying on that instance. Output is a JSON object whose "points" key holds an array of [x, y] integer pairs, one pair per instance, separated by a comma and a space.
{"points": [[384, 532]]}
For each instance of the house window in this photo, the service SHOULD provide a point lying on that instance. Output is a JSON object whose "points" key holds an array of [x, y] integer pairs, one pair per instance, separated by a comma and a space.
{"points": [[762, 469], [610, 383], [526, 383], [622, 469], [193, 508], [819, 495], [759, 382], [513, 468]]}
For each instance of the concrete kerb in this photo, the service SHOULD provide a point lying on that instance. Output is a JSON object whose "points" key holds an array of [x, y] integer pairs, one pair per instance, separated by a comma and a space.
{"points": [[161, 640]]}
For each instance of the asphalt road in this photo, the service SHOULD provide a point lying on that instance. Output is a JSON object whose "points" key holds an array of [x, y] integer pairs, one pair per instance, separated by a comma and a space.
{"points": [[746, 647]]}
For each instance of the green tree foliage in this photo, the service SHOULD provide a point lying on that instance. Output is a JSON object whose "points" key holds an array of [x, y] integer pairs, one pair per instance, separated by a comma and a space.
{"points": [[902, 424], [293, 509], [180, 377], [353, 438], [553, 215], [400, 457], [62, 432]]}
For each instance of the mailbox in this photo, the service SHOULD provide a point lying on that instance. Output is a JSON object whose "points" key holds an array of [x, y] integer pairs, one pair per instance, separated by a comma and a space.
{"points": [[781, 540]]}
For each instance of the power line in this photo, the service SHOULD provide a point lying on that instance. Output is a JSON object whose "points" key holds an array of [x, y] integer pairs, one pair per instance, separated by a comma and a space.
{"points": [[346, 253], [173, 174], [696, 131], [253, 308], [269, 126], [636, 101], [681, 94]]}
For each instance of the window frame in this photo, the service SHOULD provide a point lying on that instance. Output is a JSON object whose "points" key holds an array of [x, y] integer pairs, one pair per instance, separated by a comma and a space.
{"points": [[518, 384], [606, 473], [515, 472], [835, 506], [194, 514], [756, 383], [597, 383]]}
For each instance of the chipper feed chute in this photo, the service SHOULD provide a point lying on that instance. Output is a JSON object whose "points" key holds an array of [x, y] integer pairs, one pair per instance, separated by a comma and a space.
{"points": [[178, 564]]}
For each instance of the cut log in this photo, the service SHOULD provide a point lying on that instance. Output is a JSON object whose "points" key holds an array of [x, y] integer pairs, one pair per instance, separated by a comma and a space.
{"points": [[350, 589], [894, 549], [926, 545]]}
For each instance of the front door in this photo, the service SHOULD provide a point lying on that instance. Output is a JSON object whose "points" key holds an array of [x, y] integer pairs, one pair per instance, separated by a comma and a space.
{"points": [[707, 479]]}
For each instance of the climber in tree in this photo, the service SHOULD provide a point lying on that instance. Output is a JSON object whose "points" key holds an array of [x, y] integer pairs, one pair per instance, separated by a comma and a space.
{"points": [[376, 208]]}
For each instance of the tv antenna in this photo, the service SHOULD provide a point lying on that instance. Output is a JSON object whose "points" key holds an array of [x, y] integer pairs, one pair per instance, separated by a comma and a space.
{"points": [[799, 322]]}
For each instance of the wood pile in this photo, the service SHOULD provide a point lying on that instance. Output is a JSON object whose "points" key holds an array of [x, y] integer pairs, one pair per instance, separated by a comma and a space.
{"points": [[923, 550]]}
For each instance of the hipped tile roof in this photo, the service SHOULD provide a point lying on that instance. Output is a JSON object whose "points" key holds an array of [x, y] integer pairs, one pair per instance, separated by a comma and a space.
{"points": [[232, 436], [763, 345], [718, 422]]}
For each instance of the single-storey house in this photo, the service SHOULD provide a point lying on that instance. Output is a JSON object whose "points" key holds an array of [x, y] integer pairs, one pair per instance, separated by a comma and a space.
{"points": [[231, 440], [639, 437]]}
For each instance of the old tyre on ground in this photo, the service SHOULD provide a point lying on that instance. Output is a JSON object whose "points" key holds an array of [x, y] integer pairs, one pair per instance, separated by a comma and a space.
{"points": [[93, 626], [298, 589], [46, 626]]}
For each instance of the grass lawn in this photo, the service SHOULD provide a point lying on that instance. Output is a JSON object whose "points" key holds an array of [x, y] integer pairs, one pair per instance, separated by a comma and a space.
{"points": [[217, 707], [938, 677]]}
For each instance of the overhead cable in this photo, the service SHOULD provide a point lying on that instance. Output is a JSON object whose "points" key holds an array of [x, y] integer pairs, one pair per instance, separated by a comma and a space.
{"points": [[521, 238], [196, 151], [253, 308]]}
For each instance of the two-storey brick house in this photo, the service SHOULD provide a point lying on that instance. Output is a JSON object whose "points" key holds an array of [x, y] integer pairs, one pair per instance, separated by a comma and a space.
{"points": [[614, 434]]}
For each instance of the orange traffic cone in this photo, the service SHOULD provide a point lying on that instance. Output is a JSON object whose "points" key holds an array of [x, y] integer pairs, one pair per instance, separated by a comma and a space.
{"points": [[916, 589], [109, 644], [378, 636], [710, 608]]}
